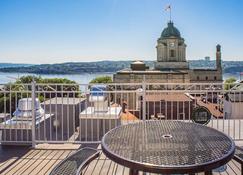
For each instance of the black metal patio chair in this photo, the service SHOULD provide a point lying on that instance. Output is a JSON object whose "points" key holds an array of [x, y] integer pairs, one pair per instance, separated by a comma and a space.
{"points": [[239, 156], [75, 163]]}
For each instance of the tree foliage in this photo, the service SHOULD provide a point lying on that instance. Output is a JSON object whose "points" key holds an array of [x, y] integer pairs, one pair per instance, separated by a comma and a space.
{"points": [[229, 83], [102, 79], [46, 88], [39, 79]]}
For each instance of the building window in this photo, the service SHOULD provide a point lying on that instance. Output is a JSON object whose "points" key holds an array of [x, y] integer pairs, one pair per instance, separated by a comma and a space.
{"points": [[172, 53], [215, 78], [206, 78], [197, 77]]}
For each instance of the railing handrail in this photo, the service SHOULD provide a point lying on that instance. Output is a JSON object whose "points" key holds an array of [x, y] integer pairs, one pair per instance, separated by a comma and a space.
{"points": [[140, 98]]}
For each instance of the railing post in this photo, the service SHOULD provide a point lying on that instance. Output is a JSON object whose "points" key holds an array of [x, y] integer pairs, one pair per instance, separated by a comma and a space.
{"points": [[144, 98], [33, 112]]}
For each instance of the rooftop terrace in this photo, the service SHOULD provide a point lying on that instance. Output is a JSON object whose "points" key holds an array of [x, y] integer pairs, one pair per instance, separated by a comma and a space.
{"points": [[64, 130]]}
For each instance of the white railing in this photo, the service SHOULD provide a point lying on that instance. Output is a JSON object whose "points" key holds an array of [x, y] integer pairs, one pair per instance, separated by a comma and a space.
{"points": [[81, 113]]}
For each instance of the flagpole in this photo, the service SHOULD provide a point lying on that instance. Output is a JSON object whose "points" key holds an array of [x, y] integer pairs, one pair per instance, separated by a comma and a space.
{"points": [[170, 13], [168, 8]]}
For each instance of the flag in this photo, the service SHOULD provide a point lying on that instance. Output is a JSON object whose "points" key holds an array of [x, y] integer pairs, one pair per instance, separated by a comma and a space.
{"points": [[168, 8]]}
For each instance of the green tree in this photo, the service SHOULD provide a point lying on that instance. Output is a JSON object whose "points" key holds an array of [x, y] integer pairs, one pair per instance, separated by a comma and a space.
{"points": [[28, 79], [102, 79], [46, 87], [229, 83]]}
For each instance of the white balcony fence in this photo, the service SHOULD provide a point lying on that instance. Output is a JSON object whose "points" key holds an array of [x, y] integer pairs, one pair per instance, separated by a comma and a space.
{"points": [[83, 113]]}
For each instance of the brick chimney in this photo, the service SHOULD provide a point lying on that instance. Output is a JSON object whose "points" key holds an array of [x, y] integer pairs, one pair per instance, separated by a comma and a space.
{"points": [[218, 57]]}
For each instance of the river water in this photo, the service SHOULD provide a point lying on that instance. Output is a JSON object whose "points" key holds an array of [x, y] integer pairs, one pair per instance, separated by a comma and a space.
{"points": [[79, 78]]}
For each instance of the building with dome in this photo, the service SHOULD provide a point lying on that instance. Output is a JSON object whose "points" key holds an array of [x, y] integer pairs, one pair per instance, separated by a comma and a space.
{"points": [[171, 50], [171, 65]]}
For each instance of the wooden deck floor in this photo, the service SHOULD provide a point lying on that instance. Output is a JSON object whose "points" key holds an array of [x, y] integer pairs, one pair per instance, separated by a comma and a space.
{"points": [[18, 161], [26, 161]]}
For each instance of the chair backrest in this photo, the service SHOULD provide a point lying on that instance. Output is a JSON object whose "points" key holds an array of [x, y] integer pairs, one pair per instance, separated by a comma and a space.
{"points": [[76, 162], [238, 154]]}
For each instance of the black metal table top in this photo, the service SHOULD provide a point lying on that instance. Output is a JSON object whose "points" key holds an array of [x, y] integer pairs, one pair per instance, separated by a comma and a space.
{"points": [[168, 147]]}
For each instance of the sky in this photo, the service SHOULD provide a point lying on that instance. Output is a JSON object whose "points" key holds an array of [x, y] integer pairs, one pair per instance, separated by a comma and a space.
{"points": [[55, 31]]}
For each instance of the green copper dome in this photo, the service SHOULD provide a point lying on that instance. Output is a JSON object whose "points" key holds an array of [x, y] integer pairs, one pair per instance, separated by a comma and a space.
{"points": [[170, 31]]}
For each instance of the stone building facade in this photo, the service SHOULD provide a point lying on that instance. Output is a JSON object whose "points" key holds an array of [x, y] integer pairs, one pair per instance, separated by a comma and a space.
{"points": [[171, 65], [171, 50]]}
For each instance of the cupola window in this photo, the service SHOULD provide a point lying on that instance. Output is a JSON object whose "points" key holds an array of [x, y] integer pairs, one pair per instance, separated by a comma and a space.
{"points": [[172, 53]]}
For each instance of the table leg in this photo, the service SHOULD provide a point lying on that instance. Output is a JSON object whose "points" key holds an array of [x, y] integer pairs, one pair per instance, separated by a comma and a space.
{"points": [[241, 169], [208, 173], [133, 172]]}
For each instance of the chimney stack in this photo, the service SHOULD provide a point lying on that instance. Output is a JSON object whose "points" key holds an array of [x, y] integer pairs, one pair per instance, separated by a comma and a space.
{"points": [[218, 57]]}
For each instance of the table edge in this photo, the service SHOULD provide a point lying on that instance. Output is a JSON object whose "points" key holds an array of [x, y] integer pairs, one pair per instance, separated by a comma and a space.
{"points": [[168, 169]]}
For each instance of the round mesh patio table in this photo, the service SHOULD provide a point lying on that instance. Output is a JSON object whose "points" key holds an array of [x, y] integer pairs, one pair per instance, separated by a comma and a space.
{"points": [[168, 147]]}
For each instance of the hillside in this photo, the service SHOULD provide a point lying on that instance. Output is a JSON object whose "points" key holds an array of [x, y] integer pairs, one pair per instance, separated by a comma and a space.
{"points": [[6, 65], [72, 67], [106, 66]]}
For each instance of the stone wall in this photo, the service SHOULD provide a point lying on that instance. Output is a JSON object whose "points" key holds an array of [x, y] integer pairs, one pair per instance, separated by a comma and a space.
{"points": [[151, 78], [205, 76], [171, 65]]}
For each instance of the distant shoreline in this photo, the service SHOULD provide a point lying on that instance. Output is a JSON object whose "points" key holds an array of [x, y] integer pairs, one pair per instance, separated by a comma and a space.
{"points": [[81, 73], [84, 78], [74, 68]]}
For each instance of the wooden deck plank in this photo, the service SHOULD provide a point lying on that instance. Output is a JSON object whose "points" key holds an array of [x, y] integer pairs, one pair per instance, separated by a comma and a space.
{"points": [[102, 166], [106, 169], [113, 167], [64, 155], [9, 155], [52, 162], [91, 167], [233, 168], [21, 162], [120, 170], [236, 164], [98, 168], [32, 163], [39, 164], [7, 163]]}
